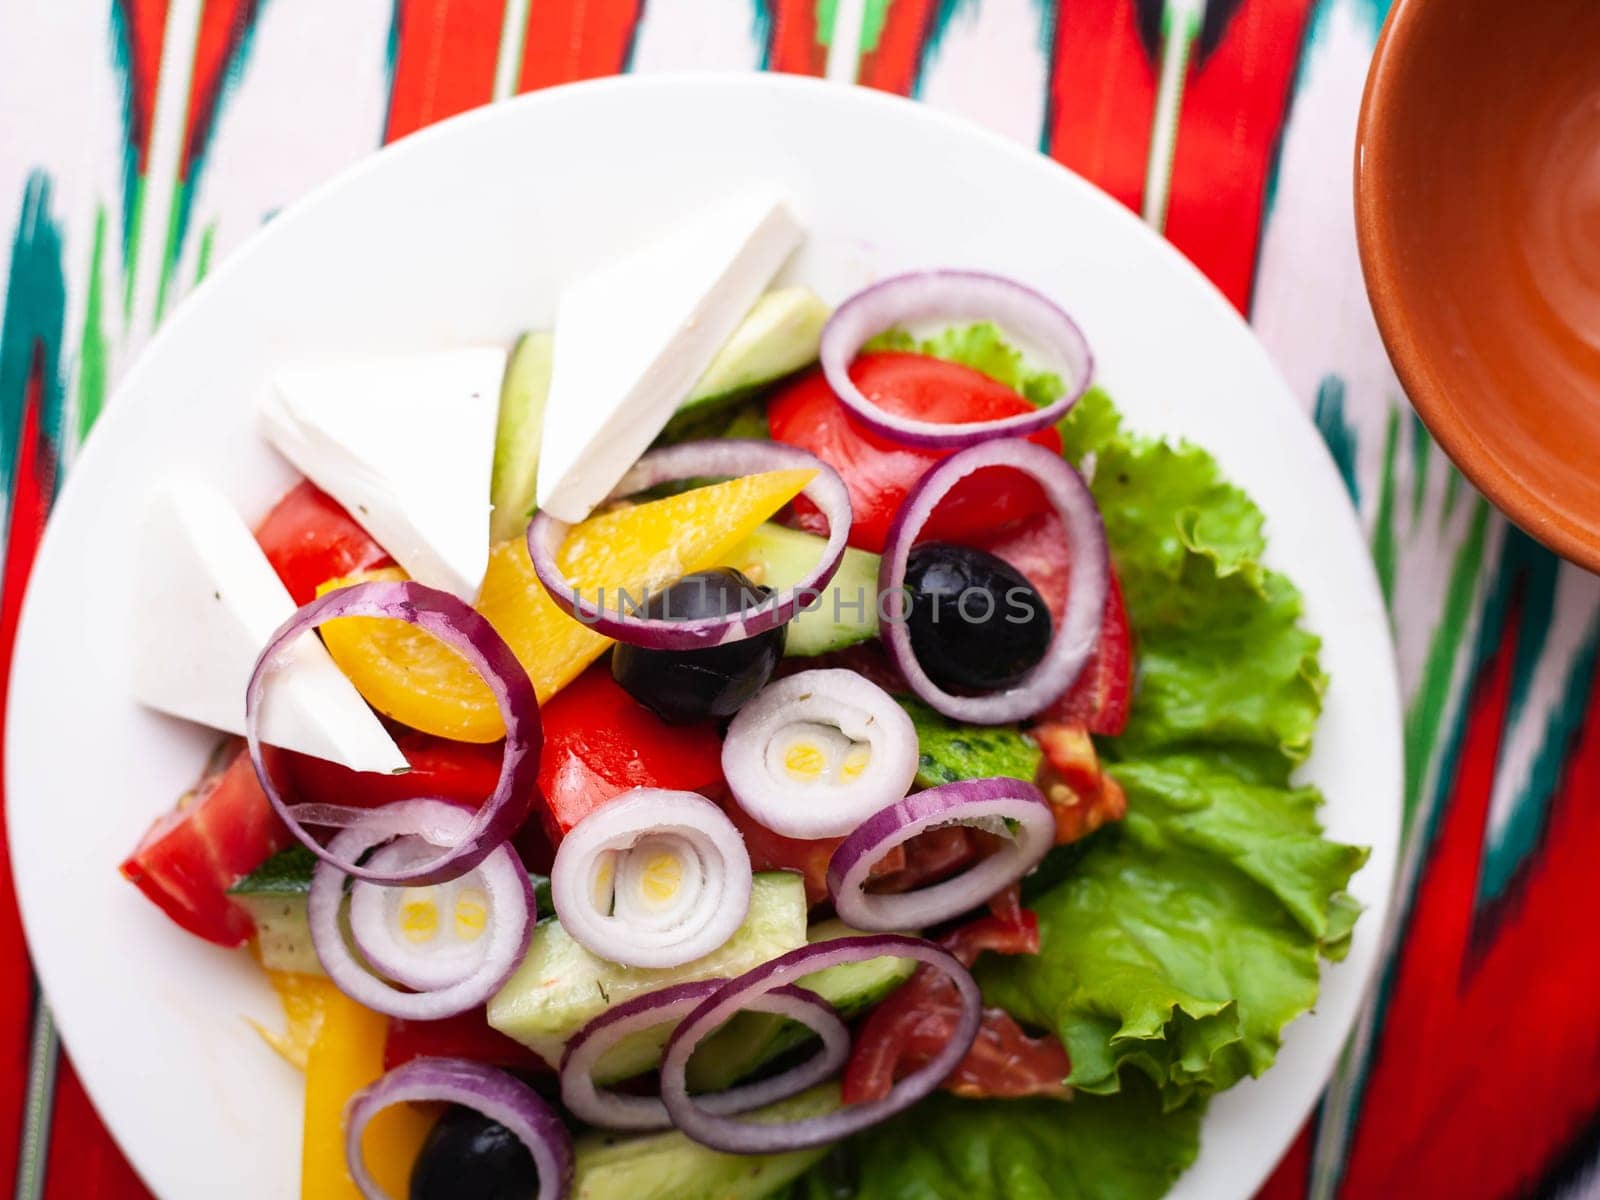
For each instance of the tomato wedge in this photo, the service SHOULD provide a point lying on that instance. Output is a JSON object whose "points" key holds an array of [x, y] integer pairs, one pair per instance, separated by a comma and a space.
{"points": [[879, 472], [915, 1022], [1099, 699], [309, 539], [220, 831], [600, 742]]}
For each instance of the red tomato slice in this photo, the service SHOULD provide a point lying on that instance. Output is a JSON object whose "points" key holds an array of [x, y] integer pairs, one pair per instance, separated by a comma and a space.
{"points": [[600, 742], [1100, 697], [466, 1035], [912, 1025], [879, 472], [309, 539], [1082, 796], [220, 831]]}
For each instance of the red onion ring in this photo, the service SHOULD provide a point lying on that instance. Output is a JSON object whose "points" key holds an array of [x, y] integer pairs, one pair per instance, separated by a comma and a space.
{"points": [[952, 296], [500, 1097], [861, 712], [1079, 629], [471, 636], [732, 1136], [611, 1110], [693, 460], [511, 909], [997, 805]]}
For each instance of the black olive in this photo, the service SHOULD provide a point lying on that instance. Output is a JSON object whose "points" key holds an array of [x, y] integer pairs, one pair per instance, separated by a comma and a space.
{"points": [[682, 686], [469, 1157], [976, 623]]}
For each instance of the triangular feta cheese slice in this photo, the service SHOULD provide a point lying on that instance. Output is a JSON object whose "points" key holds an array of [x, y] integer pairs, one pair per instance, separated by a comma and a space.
{"points": [[632, 339], [407, 446], [206, 602]]}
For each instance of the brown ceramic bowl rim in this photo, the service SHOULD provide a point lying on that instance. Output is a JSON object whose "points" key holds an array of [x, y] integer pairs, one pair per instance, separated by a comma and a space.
{"points": [[1428, 393]]}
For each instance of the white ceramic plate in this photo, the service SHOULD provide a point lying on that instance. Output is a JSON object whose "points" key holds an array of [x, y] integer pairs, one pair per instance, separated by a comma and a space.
{"points": [[464, 233]]}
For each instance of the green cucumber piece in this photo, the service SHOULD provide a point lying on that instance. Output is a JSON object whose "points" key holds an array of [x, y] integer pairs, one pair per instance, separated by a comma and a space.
{"points": [[846, 612], [951, 750], [274, 895], [518, 434], [752, 1039], [560, 987], [780, 334], [668, 1166], [777, 337]]}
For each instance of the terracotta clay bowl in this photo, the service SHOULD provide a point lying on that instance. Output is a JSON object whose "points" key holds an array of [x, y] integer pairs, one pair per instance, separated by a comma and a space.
{"points": [[1478, 214]]}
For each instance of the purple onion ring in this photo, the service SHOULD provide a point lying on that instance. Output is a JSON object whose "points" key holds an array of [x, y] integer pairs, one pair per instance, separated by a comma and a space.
{"points": [[471, 636], [734, 1136], [501, 1097], [611, 1110], [921, 296], [1011, 808], [691, 460], [1077, 633]]}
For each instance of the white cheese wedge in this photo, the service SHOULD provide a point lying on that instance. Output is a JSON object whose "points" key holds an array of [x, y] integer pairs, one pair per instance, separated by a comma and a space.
{"points": [[206, 601], [632, 339], [407, 446]]}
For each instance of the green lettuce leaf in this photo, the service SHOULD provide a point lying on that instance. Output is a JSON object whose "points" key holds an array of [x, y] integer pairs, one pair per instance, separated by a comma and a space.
{"points": [[983, 348], [1183, 942], [1095, 1148], [1187, 939], [1177, 945], [1222, 660]]}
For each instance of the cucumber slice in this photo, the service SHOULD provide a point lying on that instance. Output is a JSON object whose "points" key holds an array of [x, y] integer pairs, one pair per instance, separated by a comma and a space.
{"points": [[560, 987], [668, 1166], [951, 750], [274, 895], [777, 337], [518, 434], [847, 610]]}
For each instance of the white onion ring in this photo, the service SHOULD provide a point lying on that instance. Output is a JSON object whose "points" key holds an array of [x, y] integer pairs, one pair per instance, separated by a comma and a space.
{"points": [[501, 1097], [510, 923], [703, 921], [722, 458], [1074, 638], [953, 296], [862, 711], [612, 1110], [441, 963], [1011, 808]]}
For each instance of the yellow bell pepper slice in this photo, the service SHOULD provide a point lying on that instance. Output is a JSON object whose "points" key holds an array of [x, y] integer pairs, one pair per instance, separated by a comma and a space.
{"points": [[412, 677], [344, 1055], [301, 997]]}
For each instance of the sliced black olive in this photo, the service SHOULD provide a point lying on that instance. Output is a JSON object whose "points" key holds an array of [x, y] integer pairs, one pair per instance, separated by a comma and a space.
{"points": [[976, 623], [469, 1157], [682, 686]]}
